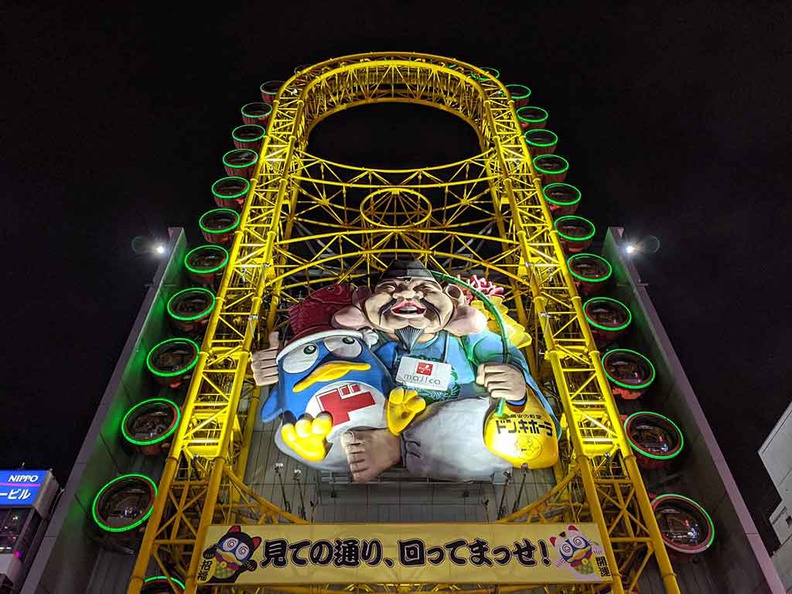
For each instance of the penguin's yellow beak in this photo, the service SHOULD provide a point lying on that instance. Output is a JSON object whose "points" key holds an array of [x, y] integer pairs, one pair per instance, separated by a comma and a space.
{"points": [[330, 371]]}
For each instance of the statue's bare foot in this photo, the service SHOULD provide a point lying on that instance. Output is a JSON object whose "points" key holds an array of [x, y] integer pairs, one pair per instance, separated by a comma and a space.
{"points": [[370, 451]]}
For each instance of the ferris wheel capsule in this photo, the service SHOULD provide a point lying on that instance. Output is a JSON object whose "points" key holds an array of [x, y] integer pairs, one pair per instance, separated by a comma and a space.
{"points": [[686, 527], [269, 90], [230, 192], [655, 439], [240, 162], [608, 319], [520, 94], [562, 199], [531, 116], [121, 508], [589, 272], [256, 113], [171, 361], [551, 168], [218, 225], [190, 309], [161, 584], [205, 264], [540, 141], [629, 373], [249, 136], [150, 425], [488, 72], [574, 232]]}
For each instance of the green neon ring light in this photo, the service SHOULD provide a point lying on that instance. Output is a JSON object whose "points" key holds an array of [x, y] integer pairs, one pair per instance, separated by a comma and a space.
{"points": [[560, 202], [530, 142], [139, 521], [230, 211], [646, 384], [541, 118], [647, 453], [178, 372], [569, 237], [600, 326], [197, 316], [165, 578], [585, 278], [156, 440], [546, 157], [253, 156], [489, 70], [210, 270], [257, 116], [234, 135], [682, 548], [268, 92], [239, 194], [517, 97]]}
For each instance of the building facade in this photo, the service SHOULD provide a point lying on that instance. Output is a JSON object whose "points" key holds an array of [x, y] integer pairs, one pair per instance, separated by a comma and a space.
{"points": [[776, 455], [600, 471]]}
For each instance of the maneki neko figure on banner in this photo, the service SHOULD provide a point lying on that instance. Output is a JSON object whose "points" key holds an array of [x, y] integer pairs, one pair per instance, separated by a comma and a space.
{"points": [[435, 375]]}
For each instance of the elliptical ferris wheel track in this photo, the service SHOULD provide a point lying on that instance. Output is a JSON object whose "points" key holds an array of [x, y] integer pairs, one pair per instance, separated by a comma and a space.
{"points": [[307, 220]]}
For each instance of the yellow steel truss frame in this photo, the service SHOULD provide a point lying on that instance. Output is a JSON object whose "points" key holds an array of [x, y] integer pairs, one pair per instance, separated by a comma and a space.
{"points": [[308, 221]]}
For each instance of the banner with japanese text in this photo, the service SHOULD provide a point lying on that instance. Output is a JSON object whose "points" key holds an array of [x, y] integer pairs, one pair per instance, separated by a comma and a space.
{"points": [[403, 553]]}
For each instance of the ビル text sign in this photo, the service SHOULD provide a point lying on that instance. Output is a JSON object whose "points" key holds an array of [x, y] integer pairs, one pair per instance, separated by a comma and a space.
{"points": [[19, 488]]}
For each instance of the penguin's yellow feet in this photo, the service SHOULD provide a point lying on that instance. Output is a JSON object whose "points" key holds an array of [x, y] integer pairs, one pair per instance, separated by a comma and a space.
{"points": [[525, 438], [403, 405], [308, 436]]}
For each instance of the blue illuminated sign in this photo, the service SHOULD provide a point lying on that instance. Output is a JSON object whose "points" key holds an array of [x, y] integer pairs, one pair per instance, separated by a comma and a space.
{"points": [[18, 488]]}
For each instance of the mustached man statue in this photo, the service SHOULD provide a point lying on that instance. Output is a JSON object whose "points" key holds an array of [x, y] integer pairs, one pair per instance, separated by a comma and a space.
{"points": [[445, 374]]}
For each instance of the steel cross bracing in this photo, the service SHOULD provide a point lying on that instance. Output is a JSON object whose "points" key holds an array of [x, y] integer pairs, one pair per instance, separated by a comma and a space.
{"points": [[308, 222]]}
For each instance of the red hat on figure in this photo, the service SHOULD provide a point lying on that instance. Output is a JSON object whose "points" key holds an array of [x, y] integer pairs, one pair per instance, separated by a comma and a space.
{"points": [[310, 319], [313, 314]]}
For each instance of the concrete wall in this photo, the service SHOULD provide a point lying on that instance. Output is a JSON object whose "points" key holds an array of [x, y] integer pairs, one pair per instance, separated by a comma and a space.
{"points": [[737, 562], [782, 559], [70, 549], [776, 455]]}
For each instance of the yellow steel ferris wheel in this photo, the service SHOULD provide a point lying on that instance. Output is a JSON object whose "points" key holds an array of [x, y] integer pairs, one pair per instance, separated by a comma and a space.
{"points": [[308, 222]]}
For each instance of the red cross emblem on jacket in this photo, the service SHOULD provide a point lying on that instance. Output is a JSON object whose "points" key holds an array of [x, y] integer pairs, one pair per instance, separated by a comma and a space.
{"points": [[342, 401]]}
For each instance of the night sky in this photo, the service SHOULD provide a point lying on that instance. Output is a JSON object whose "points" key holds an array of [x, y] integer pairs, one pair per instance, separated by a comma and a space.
{"points": [[675, 119]]}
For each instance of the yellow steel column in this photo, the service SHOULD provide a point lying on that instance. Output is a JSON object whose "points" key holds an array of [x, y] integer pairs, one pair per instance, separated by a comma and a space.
{"points": [[146, 552], [206, 520], [168, 473]]}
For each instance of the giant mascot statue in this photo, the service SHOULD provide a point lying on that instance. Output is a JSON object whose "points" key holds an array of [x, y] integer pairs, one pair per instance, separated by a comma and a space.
{"points": [[433, 374]]}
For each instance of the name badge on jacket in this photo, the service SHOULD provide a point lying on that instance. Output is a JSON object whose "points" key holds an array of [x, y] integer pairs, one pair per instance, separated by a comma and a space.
{"points": [[429, 375]]}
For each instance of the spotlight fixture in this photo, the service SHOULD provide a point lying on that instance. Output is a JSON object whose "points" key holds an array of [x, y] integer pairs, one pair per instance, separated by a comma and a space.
{"points": [[147, 245], [646, 245]]}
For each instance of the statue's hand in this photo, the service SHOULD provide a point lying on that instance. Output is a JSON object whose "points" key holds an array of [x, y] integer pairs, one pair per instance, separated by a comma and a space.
{"points": [[308, 436], [265, 370], [403, 405], [502, 381]]}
